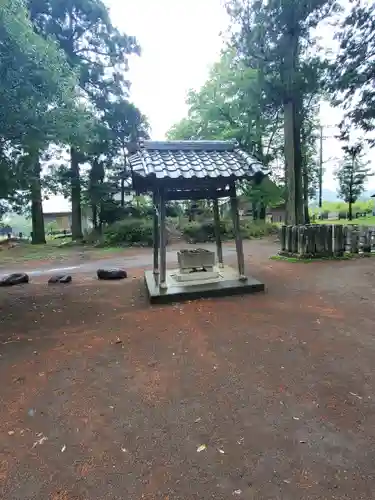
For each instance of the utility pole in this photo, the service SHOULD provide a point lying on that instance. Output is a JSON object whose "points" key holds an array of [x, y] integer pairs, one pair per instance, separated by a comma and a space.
{"points": [[321, 167]]}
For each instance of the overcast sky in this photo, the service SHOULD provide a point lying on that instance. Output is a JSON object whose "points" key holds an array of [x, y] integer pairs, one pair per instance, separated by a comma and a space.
{"points": [[180, 40]]}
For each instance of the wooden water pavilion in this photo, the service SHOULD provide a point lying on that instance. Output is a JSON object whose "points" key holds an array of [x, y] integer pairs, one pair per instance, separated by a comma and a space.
{"points": [[193, 170]]}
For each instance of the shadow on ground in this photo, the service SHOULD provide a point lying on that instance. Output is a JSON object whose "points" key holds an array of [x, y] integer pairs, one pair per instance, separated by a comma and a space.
{"points": [[104, 397]]}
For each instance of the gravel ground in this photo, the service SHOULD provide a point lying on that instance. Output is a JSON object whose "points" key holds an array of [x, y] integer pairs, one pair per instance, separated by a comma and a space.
{"points": [[104, 397]]}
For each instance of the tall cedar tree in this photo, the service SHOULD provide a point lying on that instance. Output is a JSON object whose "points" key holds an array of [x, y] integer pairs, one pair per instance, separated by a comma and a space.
{"points": [[352, 175], [98, 52], [37, 105], [273, 36], [353, 71]]}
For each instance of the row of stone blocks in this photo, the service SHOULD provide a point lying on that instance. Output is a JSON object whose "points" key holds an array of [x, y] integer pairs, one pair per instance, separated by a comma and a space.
{"points": [[326, 240]]}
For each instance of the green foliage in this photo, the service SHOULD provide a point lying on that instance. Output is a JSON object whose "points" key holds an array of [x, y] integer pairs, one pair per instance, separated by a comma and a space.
{"points": [[98, 52], [342, 208], [93, 46], [37, 97], [202, 232], [353, 71], [352, 175], [129, 232], [267, 193], [227, 107], [275, 38], [36, 84]]}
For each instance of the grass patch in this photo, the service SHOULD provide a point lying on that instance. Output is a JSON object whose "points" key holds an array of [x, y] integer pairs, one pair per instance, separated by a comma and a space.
{"points": [[310, 260], [362, 221]]}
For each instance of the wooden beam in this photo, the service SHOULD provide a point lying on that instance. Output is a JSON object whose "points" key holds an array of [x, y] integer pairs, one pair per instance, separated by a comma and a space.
{"points": [[201, 194], [155, 200], [219, 247], [151, 182], [237, 233], [163, 243]]}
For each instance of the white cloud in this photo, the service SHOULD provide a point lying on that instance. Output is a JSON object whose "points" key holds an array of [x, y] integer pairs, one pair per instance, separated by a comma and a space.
{"points": [[180, 40]]}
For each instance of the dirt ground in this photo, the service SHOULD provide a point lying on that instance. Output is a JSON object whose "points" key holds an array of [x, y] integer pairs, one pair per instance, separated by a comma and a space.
{"points": [[104, 397]]}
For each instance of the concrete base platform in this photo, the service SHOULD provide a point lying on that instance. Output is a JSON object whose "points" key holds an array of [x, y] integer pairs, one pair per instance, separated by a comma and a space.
{"points": [[226, 284]]}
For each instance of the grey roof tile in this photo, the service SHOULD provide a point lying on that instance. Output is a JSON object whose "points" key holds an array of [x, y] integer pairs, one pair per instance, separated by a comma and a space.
{"points": [[192, 159]]}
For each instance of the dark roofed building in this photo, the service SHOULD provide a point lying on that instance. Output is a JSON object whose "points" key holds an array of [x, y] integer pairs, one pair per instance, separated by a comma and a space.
{"points": [[218, 162], [193, 170]]}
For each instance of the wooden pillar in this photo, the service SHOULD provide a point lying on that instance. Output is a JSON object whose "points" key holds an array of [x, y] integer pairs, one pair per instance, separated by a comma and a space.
{"points": [[219, 247], [163, 243], [155, 200], [237, 232]]}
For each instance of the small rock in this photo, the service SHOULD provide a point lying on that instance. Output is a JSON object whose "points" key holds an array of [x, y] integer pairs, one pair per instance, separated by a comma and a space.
{"points": [[60, 278], [111, 274], [14, 279], [10, 433]]}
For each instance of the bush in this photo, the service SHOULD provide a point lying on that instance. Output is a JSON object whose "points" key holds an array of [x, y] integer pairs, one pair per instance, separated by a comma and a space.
{"points": [[202, 232], [129, 232], [343, 214]]}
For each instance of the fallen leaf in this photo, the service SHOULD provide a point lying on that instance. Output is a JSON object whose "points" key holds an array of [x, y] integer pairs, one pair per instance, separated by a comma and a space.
{"points": [[202, 447], [355, 395], [40, 441], [237, 492], [221, 451], [295, 418], [197, 420], [63, 448], [10, 433]]}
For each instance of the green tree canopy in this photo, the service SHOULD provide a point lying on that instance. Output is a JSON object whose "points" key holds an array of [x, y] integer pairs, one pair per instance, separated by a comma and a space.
{"points": [[352, 174], [353, 71], [98, 52], [38, 98]]}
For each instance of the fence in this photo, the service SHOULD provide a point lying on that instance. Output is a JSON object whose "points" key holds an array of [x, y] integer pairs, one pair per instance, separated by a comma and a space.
{"points": [[326, 240]]}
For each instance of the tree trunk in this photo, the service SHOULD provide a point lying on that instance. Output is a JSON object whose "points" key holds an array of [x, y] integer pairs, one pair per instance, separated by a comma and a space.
{"points": [[262, 211], [122, 192], [94, 210], [76, 195], [255, 211], [37, 219], [350, 211], [292, 134], [306, 195]]}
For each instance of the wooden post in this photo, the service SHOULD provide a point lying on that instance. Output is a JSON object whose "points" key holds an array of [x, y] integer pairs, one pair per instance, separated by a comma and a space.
{"points": [[283, 238], [348, 240], [237, 232], [219, 247], [361, 241], [163, 243], [289, 240], [372, 241], [295, 239], [301, 241], [155, 199]]}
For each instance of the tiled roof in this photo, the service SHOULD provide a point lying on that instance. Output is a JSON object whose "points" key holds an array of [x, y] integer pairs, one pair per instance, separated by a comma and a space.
{"points": [[192, 159]]}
